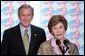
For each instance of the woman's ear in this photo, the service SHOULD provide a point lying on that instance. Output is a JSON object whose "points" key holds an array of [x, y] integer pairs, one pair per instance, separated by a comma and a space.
{"points": [[65, 32], [52, 33]]}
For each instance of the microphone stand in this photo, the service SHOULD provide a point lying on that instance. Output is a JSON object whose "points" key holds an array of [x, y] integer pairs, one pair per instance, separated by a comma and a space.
{"points": [[65, 48], [62, 50]]}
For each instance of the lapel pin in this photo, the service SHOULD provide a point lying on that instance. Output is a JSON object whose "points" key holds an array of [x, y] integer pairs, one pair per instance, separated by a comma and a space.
{"points": [[35, 35]]}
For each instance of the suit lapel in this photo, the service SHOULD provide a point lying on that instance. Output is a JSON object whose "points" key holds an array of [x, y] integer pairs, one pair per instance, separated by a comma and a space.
{"points": [[33, 41], [70, 51], [49, 48], [19, 37]]}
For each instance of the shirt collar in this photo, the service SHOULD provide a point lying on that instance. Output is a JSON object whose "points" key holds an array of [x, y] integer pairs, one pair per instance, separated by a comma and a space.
{"points": [[53, 42], [23, 28]]}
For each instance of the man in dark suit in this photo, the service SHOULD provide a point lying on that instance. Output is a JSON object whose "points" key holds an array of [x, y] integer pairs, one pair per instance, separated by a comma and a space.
{"points": [[12, 43]]}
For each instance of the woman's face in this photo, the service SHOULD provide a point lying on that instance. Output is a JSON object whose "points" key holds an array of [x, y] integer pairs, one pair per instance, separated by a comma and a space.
{"points": [[58, 31]]}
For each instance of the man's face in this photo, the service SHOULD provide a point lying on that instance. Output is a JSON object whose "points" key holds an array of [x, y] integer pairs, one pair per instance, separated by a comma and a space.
{"points": [[25, 16]]}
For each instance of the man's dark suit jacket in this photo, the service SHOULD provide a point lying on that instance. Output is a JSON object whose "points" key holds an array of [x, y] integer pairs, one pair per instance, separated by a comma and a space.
{"points": [[12, 43]]}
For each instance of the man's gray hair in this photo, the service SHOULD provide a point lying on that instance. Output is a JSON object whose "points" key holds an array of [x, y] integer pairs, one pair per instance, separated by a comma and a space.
{"points": [[25, 6]]}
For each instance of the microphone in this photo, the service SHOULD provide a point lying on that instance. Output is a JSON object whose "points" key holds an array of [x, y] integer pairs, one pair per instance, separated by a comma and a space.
{"points": [[63, 48], [66, 43], [58, 42], [59, 45]]}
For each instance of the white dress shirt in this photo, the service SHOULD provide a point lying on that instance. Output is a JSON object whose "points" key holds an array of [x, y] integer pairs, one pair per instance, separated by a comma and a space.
{"points": [[22, 29]]}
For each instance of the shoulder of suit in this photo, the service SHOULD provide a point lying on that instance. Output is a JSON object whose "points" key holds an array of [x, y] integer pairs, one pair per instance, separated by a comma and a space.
{"points": [[46, 43], [12, 28], [36, 27], [73, 45]]}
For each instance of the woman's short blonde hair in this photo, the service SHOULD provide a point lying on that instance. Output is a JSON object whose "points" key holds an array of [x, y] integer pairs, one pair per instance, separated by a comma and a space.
{"points": [[55, 19]]}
